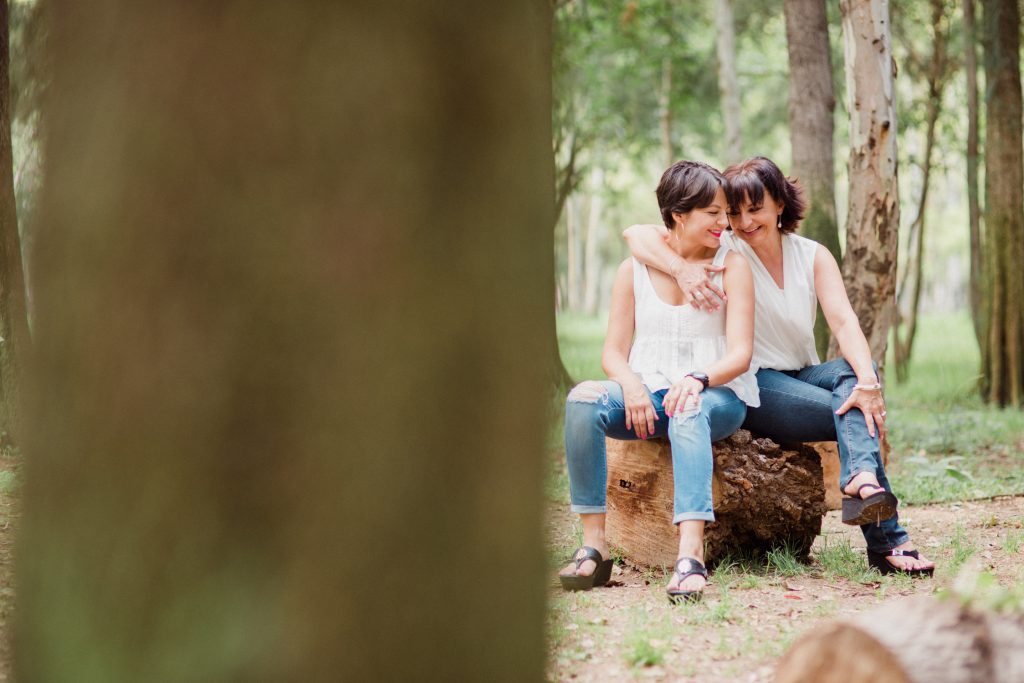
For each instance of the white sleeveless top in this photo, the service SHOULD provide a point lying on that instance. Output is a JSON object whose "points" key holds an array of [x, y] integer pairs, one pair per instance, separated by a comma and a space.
{"points": [[671, 341], [783, 318]]}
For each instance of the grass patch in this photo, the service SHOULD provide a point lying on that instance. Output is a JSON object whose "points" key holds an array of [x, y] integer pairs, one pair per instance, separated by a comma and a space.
{"points": [[647, 642], [784, 562], [1013, 541], [838, 560], [962, 548]]}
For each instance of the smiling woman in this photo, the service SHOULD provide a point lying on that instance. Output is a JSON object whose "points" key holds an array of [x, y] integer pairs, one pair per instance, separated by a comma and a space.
{"points": [[673, 371]]}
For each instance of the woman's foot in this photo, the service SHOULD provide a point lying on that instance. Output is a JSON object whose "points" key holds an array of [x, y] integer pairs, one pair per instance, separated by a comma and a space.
{"points": [[587, 567], [690, 578], [908, 562], [866, 502], [863, 485], [694, 583]]}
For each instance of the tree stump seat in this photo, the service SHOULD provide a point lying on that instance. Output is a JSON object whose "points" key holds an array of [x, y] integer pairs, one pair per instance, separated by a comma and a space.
{"points": [[764, 496]]}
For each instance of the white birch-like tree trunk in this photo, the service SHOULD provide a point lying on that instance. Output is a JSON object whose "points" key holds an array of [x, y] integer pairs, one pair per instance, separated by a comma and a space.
{"points": [[725, 31], [592, 245], [872, 221]]}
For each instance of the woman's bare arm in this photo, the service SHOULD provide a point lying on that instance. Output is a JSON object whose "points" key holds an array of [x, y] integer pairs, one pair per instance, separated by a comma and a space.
{"points": [[647, 244]]}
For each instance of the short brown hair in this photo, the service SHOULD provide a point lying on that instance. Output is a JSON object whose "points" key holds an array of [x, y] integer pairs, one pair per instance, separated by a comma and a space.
{"points": [[685, 186], [751, 178]]}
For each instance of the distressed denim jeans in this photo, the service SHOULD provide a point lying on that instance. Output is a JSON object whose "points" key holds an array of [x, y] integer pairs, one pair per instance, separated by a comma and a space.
{"points": [[800, 405], [595, 410]]}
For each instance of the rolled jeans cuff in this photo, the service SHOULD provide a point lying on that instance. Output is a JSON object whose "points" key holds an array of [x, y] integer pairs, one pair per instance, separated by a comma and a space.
{"points": [[693, 516], [894, 541], [589, 509]]}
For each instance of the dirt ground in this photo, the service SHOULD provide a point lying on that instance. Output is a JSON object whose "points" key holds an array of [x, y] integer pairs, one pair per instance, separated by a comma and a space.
{"points": [[749, 617]]}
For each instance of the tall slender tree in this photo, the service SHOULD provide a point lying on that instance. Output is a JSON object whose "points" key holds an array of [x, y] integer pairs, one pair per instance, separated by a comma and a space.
{"points": [[287, 407], [970, 38], [14, 332], [728, 83], [872, 222], [1002, 367], [936, 72], [812, 103]]}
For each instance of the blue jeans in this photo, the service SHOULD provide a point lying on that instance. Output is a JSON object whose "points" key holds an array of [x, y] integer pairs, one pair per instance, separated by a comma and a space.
{"points": [[800, 405], [595, 410]]}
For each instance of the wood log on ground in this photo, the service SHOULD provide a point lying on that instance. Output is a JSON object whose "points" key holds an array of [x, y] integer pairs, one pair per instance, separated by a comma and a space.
{"points": [[917, 640], [763, 495]]}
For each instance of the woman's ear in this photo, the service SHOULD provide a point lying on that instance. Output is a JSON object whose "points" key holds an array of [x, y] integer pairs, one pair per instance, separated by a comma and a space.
{"points": [[678, 218]]}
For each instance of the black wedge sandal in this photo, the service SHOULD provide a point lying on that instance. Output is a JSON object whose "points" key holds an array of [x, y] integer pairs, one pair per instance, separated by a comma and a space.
{"points": [[601, 575], [687, 566], [875, 508], [878, 561]]}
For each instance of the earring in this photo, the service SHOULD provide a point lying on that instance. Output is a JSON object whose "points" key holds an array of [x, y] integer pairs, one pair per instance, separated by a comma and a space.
{"points": [[779, 224]]}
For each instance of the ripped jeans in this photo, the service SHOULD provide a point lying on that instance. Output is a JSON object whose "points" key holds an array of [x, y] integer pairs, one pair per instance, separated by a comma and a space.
{"points": [[595, 410]]}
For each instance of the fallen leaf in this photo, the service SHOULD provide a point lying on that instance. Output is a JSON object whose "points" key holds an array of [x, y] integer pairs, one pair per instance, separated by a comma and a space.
{"points": [[792, 597]]}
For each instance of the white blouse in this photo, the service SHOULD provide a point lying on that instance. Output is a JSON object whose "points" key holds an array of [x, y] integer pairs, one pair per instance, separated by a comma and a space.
{"points": [[671, 341], [783, 318]]}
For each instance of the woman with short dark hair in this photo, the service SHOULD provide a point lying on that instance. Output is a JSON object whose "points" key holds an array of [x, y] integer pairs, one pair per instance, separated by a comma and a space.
{"points": [[673, 371]]}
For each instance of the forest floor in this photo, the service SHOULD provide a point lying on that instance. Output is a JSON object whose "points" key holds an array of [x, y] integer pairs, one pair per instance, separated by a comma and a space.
{"points": [[752, 611]]}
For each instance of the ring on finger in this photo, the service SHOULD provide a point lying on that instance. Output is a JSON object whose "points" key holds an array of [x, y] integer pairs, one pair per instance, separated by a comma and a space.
{"points": [[882, 413]]}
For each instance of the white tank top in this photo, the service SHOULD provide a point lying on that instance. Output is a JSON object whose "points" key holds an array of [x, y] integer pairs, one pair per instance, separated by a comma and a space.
{"points": [[783, 318], [671, 341]]}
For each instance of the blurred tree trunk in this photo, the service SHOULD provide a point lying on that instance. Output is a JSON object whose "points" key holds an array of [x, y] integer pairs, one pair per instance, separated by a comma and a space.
{"points": [[1004, 203], [973, 211], [573, 224], [728, 85], [592, 264], [288, 402], [812, 102], [909, 300], [14, 333], [872, 222], [665, 111]]}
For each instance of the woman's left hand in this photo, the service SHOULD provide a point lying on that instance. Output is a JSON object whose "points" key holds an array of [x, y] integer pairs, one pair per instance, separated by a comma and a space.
{"points": [[872, 404], [682, 392]]}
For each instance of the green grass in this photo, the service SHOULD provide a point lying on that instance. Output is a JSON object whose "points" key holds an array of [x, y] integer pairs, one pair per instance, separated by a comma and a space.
{"points": [[838, 560]]}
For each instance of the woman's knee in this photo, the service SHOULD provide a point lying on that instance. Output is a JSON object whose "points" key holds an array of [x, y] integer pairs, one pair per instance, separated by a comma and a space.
{"points": [[585, 401]]}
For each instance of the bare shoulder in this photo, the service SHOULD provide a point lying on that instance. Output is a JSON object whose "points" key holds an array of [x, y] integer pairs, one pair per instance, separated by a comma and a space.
{"points": [[733, 260], [824, 261]]}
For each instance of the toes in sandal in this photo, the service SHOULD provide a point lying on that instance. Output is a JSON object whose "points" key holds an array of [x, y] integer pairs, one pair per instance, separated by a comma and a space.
{"points": [[686, 566], [601, 575], [878, 561], [871, 510]]}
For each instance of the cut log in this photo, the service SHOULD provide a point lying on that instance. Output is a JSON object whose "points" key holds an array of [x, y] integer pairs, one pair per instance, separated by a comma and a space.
{"points": [[764, 496], [910, 641], [828, 452]]}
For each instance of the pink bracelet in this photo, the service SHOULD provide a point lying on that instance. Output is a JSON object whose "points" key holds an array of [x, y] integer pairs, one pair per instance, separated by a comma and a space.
{"points": [[868, 387]]}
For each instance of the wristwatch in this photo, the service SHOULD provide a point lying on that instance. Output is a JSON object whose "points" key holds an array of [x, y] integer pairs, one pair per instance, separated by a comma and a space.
{"points": [[700, 377]]}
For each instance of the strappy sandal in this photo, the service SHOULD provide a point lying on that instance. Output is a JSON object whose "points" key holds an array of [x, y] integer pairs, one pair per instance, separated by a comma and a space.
{"points": [[601, 575], [871, 510], [878, 561], [687, 566]]}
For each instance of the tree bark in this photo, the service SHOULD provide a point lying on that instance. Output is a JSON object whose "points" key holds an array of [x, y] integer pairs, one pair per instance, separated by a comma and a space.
{"points": [[907, 316], [811, 105], [1002, 377], [920, 639], [764, 496], [872, 222], [977, 268], [14, 332], [288, 403], [728, 85]]}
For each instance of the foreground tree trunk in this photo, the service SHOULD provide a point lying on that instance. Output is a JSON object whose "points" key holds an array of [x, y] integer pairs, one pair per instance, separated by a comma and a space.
{"points": [[812, 102], [921, 639], [872, 222], [728, 85], [288, 405], [1002, 377], [14, 332]]}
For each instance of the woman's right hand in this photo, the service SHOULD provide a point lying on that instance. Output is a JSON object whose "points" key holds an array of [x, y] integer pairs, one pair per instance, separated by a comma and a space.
{"points": [[640, 412], [694, 280]]}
